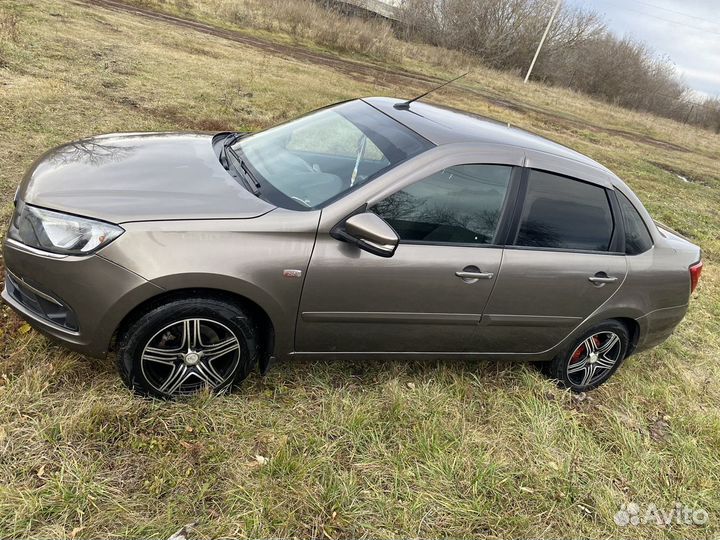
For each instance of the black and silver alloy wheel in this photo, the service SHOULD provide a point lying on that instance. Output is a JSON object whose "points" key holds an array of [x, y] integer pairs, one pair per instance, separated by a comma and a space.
{"points": [[591, 359], [185, 345], [189, 354]]}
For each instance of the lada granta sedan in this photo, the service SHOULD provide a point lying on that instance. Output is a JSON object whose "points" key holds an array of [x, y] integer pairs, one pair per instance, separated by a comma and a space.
{"points": [[369, 229]]}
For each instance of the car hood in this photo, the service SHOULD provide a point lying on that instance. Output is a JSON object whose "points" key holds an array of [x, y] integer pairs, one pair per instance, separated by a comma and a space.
{"points": [[139, 177]]}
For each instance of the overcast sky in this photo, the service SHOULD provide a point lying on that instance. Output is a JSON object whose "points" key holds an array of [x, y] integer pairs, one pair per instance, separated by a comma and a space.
{"points": [[687, 31]]}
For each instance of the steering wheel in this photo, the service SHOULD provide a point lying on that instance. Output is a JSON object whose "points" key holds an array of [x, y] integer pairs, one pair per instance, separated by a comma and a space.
{"points": [[292, 159]]}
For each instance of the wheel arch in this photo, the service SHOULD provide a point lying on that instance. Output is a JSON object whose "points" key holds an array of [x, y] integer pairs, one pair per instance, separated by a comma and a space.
{"points": [[266, 325], [633, 328], [628, 317]]}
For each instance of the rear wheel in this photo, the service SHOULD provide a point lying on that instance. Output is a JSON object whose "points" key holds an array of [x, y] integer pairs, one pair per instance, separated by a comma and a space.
{"points": [[186, 345], [592, 359]]}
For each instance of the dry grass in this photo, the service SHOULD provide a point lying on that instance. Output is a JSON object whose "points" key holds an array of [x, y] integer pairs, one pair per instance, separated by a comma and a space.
{"points": [[9, 26], [304, 20], [385, 449], [308, 23], [9, 34]]}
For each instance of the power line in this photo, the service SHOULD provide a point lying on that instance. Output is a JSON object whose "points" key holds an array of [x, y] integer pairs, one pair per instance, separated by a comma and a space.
{"points": [[646, 14], [670, 10]]}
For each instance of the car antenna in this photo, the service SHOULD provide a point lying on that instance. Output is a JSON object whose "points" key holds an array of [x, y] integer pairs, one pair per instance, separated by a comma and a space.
{"points": [[405, 105]]}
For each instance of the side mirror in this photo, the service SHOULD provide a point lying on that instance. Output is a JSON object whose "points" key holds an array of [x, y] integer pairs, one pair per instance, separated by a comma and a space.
{"points": [[369, 232]]}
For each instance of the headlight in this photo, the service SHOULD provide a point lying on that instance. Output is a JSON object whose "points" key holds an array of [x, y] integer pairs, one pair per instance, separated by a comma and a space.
{"points": [[60, 233]]}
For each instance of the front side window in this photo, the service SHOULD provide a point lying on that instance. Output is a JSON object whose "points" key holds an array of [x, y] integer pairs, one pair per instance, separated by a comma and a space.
{"points": [[310, 161], [460, 204], [637, 237], [563, 213]]}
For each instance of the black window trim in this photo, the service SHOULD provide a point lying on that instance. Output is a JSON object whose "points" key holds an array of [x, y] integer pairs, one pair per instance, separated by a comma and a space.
{"points": [[504, 223], [511, 214], [617, 239]]}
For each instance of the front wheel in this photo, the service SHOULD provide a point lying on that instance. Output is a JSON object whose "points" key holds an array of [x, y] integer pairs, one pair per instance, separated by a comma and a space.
{"points": [[185, 345], [592, 359]]}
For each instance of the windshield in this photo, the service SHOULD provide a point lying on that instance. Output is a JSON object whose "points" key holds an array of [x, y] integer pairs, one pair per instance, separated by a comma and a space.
{"points": [[315, 159]]}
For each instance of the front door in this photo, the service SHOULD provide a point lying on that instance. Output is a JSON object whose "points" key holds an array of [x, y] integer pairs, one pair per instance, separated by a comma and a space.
{"points": [[430, 295]]}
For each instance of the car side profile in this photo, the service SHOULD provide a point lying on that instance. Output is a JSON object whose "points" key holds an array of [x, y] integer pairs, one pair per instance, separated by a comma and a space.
{"points": [[372, 228]]}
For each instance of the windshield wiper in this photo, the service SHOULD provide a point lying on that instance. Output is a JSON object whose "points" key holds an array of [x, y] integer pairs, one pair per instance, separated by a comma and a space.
{"points": [[230, 139], [245, 175]]}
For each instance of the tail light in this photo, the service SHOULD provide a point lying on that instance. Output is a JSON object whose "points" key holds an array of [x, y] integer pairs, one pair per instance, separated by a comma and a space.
{"points": [[695, 271]]}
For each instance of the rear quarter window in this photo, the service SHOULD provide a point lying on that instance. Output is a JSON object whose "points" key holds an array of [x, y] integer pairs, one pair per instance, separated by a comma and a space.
{"points": [[637, 236]]}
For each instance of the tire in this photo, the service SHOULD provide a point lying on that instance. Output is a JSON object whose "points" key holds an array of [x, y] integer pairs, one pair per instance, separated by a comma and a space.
{"points": [[182, 346], [579, 370]]}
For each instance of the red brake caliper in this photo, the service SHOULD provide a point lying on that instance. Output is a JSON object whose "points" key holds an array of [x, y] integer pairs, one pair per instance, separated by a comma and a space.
{"points": [[578, 354], [580, 351]]}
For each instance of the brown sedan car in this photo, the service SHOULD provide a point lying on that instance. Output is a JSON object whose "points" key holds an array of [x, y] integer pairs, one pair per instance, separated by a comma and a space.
{"points": [[367, 229]]}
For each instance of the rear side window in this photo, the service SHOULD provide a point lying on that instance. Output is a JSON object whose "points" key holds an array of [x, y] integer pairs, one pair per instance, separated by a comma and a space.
{"points": [[637, 236], [563, 213], [460, 204]]}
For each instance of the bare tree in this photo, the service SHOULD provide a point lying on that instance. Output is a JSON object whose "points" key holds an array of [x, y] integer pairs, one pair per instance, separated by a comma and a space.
{"points": [[579, 52]]}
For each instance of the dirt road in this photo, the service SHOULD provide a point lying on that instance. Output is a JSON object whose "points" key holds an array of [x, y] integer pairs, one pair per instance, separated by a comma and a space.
{"points": [[371, 72]]}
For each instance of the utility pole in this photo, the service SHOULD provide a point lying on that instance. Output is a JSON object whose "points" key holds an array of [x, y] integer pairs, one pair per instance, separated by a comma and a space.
{"points": [[542, 40]]}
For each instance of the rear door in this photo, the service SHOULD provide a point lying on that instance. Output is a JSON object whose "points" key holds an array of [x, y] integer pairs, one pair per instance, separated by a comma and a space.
{"points": [[563, 260]]}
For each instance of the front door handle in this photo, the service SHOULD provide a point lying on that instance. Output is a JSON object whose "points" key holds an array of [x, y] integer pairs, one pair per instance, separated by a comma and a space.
{"points": [[475, 275], [602, 277], [470, 274]]}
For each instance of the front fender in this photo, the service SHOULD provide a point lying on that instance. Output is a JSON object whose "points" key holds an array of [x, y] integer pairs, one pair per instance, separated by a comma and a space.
{"points": [[246, 257], [281, 316]]}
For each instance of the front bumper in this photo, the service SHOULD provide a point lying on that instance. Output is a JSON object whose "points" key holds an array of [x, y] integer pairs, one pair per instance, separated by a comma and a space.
{"points": [[79, 301]]}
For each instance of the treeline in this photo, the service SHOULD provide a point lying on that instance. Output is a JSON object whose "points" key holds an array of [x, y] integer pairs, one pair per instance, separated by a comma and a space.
{"points": [[579, 53]]}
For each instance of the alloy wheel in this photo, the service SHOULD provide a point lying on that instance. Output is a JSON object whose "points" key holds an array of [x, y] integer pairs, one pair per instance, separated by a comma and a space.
{"points": [[593, 358], [190, 354]]}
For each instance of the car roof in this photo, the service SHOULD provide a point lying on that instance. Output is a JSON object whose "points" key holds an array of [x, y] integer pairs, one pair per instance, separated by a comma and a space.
{"points": [[443, 125]]}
